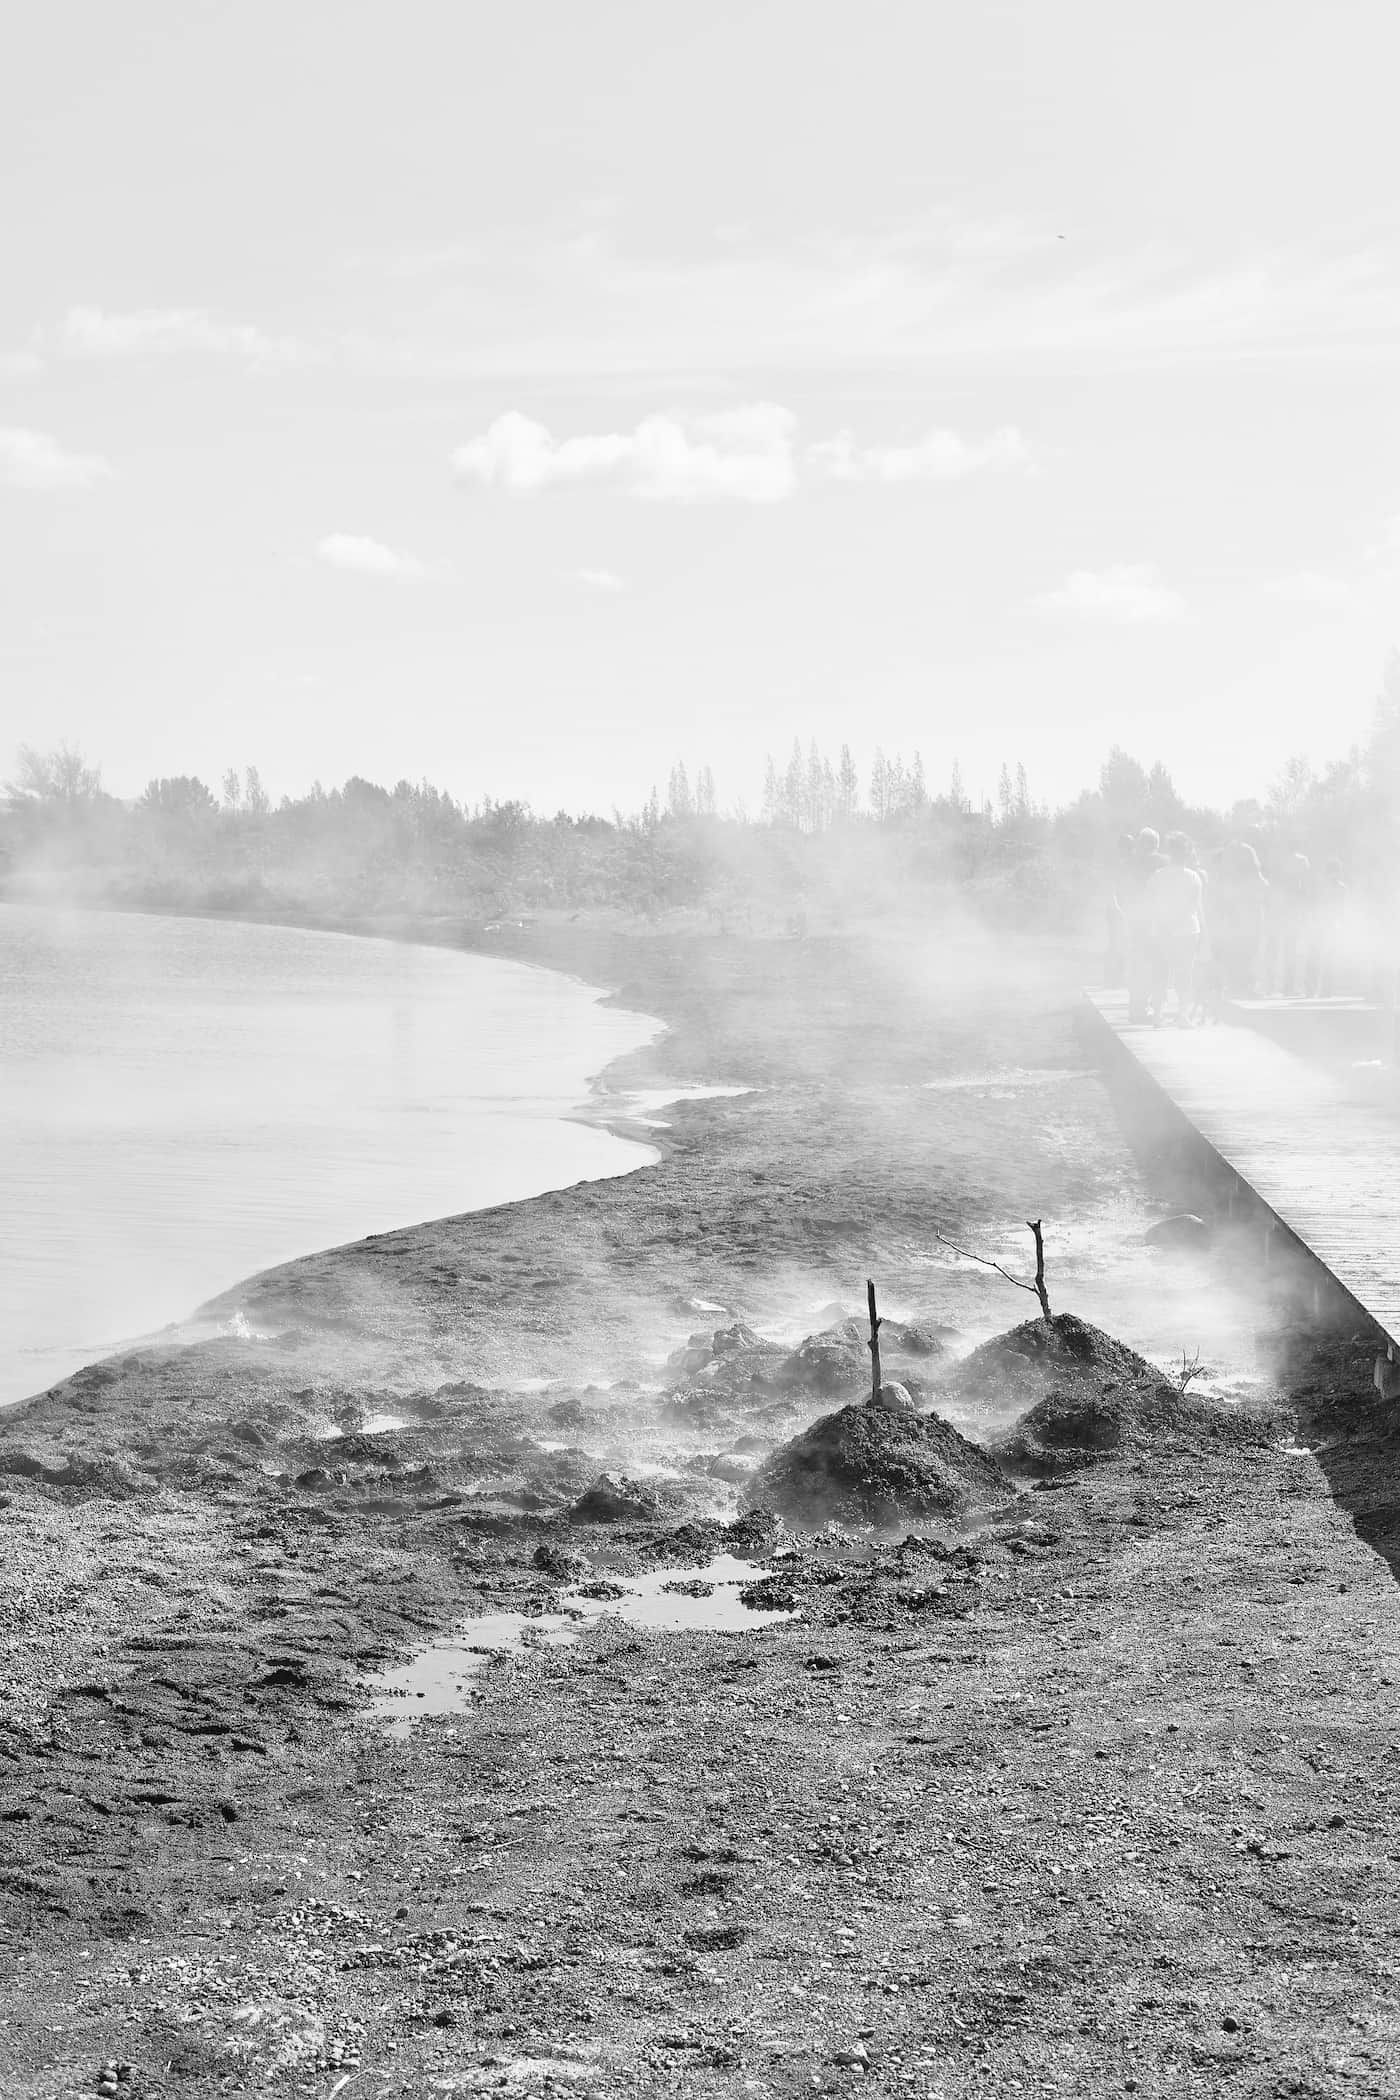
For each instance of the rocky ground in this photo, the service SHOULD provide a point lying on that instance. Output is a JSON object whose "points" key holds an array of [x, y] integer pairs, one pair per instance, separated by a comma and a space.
{"points": [[1087, 1788]]}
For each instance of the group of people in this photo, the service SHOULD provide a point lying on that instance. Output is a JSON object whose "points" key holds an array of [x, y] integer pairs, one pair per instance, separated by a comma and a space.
{"points": [[1217, 928]]}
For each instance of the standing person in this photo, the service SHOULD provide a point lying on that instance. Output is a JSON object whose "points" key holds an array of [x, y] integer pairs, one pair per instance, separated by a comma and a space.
{"points": [[1145, 862], [1176, 905], [1238, 903], [1325, 931], [1116, 917], [1290, 896]]}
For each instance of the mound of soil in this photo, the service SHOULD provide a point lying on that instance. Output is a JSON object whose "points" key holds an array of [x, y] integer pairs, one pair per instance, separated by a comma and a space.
{"points": [[1082, 1397], [615, 1498], [881, 1465]]}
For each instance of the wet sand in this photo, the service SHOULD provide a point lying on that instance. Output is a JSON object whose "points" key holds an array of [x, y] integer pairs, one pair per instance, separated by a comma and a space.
{"points": [[1104, 1801]]}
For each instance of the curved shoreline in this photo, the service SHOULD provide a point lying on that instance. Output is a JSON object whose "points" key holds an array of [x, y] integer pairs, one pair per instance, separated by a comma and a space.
{"points": [[595, 1107], [1055, 1815]]}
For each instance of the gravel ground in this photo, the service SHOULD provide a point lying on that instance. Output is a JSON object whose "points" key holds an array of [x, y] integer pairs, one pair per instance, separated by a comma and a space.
{"points": [[1098, 1797]]}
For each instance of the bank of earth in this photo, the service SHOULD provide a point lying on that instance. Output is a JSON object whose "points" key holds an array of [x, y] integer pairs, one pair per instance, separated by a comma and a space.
{"points": [[1085, 1789]]}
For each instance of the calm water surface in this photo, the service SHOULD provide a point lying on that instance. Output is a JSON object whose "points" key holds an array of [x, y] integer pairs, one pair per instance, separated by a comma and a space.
{"points": [[185, 1101]]}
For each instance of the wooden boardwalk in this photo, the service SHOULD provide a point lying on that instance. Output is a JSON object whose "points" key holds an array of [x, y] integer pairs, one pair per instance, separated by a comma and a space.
{"points": [[1323, 1158]]}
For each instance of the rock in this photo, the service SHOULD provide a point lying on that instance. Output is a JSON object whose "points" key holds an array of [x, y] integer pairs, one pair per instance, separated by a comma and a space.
{"points": [[769, 1593], [856, 2057], [615, 1498], [702, 1349], [837, 1361], [896, 1396], [1185, 1230], [561, 1564], [756, 1531], [697, 1539], [732, 1466], [247, 1433]]}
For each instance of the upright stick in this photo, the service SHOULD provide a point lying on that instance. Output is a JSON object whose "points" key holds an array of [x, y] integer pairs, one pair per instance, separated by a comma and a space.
{"points": [[874, 1342], [1040, 1290]]}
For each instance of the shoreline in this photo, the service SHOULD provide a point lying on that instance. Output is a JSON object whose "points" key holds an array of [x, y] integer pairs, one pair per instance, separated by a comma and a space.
{"points": [[1108, 1806], [598, 1105]]}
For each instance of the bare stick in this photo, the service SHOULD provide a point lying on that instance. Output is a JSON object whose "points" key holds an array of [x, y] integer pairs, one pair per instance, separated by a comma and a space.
{"points": [[1033, 1226], [1036, 1289], [874, 1343]]}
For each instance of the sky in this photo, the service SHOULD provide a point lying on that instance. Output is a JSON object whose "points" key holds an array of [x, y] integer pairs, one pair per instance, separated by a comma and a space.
{"points": [[523, 397]]}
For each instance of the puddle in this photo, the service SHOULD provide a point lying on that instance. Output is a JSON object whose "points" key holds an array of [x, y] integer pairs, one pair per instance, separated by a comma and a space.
{"points": [[651, 1600], [372, 1425], [439, 1679]]}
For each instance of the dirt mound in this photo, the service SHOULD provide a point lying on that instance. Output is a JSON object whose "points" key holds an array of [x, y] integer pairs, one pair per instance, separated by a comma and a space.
{"points": [[882, 1465], [1081, 1397], [615, 1498]]}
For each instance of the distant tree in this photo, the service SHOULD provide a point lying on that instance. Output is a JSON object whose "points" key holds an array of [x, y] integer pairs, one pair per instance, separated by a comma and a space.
{"points": [[1022, 806], [58, 776], [772, 793], [957, 795], [1291, 789], [255, 796], [679, 800], [1006, 794], [793, 782], [180, 796], [1123, 786], [706, 801], [918, 784], [879, 786], [847, 786], [231, 790]]}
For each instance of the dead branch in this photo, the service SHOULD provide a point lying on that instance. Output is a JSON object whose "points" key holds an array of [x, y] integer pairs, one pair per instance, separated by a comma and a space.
{"points": [[1033, 1227], [874, 1343], [1036, 1289]]}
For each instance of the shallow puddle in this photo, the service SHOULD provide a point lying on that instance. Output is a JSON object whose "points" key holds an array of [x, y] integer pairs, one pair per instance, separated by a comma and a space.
{"points": [[712, 1607], [439, 1679]]}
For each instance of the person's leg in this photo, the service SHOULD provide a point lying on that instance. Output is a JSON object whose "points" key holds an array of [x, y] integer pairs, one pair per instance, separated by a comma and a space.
{"points": [[1161, 976], [1139, 974], [1183, 969]]}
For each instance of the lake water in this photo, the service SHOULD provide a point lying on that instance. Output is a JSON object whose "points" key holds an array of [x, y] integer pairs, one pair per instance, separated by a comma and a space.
{"points": [[186, 1101]]}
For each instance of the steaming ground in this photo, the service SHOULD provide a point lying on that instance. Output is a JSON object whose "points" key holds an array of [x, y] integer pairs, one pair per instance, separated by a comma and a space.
{"points": [[1086, 1788]]}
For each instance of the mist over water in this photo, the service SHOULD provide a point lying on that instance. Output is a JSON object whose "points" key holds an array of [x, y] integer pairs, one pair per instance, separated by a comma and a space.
{"points": [[184, 1102]]}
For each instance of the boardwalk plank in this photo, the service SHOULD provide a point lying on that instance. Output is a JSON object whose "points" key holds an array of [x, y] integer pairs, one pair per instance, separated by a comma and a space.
{"points": [[1323, 1161]]}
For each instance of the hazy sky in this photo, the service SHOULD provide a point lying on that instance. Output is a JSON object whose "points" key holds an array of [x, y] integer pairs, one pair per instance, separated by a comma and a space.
{"points": [[523, 395]]}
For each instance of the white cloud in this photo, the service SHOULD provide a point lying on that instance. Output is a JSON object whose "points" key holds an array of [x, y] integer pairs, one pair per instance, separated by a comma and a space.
{"points": [[31, 459], [165, 331], [366, 557], [1129, 593], [740, 456], [20, 364], [940, 455], [604, 580]]}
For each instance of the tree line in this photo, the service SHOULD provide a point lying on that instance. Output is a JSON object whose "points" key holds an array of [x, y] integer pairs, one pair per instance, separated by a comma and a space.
{"points": [[825, 845]]}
